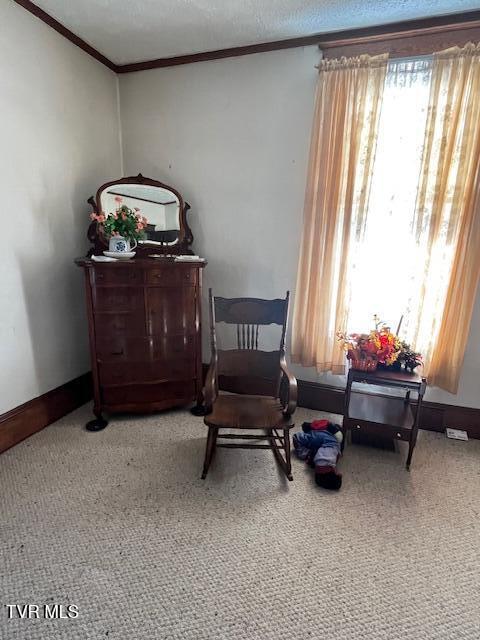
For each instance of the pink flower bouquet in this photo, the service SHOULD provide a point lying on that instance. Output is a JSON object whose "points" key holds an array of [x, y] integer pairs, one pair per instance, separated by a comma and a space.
{"points": [[125, 222]]}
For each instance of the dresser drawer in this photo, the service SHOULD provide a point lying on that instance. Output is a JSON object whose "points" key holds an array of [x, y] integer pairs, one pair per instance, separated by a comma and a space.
{"points": [[150, 393], [115, 373], [382, 431], [124, 275], [115, 298], [142, 349], [123, 348], [127, 322], [171, 276]]}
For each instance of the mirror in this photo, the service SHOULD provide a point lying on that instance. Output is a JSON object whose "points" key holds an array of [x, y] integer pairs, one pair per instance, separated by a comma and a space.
{"points": [[166, 231], [160, 206]]}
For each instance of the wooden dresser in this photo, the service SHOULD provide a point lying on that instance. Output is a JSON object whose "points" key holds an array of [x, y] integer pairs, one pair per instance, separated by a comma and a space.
{"points": [[145, 338]]}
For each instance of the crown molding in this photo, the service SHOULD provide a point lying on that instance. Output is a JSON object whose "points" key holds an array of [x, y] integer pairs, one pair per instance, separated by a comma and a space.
{"points": [[336, 41], [362, 36], [66, 33], [219, 54]]}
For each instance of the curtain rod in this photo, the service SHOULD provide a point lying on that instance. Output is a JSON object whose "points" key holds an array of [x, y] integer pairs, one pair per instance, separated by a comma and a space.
{"points": [[427, 56]]}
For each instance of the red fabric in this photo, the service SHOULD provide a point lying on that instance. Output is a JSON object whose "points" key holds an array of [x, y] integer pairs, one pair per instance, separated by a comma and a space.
{"points": [[319, 425], [324, 469]]}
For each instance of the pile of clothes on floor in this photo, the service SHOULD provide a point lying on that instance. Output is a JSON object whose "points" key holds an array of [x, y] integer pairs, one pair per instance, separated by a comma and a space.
{"points": [[319, 444]]}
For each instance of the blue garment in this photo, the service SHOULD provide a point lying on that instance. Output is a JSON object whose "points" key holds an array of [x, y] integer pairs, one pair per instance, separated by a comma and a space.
{"points": [[315, 439], [324, 447]]}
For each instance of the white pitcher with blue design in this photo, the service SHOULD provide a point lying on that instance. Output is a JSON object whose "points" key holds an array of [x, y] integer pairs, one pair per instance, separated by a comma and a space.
{"points": [[119, 244]]}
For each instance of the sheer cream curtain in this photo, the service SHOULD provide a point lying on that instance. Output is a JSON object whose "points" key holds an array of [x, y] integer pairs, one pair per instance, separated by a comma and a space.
{"points": [[385, 273], [347, 111], [447, 212], [396, 229]]}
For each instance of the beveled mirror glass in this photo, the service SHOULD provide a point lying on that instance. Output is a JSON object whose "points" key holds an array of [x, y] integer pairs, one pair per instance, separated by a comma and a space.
{"points": [[166, 231], [159, 205]]}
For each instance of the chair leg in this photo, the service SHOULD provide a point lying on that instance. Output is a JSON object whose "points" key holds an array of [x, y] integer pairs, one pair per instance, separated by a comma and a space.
{"points": [[288, 455], [210, 449], [284, 462]]}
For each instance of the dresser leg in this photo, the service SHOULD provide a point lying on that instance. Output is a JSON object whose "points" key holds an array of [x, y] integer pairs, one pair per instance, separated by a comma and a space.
{"points": [[198, 410], [98, 424]]}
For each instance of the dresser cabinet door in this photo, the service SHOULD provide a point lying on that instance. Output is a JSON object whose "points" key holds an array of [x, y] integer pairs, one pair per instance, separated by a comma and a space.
{"points": [[171, 311], [178, 347]]}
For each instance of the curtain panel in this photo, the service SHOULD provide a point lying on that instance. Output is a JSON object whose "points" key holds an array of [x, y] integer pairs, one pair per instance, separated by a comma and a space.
{"points": [[448, 203], [430, 271], [346, 116]]}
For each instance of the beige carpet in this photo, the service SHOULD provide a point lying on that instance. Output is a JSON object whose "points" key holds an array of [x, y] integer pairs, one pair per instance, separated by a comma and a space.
{"points": [[120, 524]]}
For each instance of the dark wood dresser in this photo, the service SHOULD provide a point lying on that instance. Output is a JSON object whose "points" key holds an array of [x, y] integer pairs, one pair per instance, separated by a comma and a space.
{"points": [[145, 338]]}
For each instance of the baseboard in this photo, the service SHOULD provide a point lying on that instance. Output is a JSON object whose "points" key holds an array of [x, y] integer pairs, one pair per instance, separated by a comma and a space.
{"points": [[28, 418], [34, 415], [434, 416]]}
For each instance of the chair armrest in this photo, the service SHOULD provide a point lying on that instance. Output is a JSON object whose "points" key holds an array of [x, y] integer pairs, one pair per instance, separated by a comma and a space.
{"points": [[290, 405], [210, 390]]}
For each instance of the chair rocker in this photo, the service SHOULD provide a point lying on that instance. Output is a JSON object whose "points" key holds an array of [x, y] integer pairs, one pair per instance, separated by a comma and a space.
{"points": [[262, 393]]}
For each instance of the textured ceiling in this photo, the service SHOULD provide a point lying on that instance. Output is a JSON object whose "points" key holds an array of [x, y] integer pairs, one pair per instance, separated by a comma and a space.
{"points": [[136, 30]]}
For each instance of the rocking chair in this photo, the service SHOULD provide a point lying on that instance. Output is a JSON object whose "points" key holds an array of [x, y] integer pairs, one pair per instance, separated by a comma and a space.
{"points": [[262, 392]]}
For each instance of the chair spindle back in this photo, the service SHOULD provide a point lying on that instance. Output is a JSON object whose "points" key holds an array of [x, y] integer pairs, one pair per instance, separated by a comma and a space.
{"points": [[247, 368]]}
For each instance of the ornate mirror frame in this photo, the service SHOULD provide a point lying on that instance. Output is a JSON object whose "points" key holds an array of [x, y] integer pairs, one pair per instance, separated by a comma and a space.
{"points": [[185, 236]]}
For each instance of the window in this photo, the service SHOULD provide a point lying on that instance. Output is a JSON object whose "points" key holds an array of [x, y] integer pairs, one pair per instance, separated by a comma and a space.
{"points": [[392, 208], [388, 264], [388, 258]]}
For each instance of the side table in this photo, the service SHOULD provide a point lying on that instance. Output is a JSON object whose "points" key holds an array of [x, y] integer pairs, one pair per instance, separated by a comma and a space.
{"points": [[394, 416]]}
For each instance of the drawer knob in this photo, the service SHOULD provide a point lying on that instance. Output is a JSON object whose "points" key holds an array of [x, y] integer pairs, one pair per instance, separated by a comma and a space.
{"points": [[399, 435], [358, 426]]}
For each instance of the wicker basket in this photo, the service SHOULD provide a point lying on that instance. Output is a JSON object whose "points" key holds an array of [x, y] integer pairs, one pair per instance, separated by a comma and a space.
{"points": [[362, 364]]}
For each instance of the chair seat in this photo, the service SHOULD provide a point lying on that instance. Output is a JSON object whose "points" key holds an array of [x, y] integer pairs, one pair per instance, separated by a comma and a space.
{"points": [[247, 412]]}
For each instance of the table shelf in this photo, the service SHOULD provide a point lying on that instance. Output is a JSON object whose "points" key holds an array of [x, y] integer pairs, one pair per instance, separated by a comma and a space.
{"points": [[366, 407], [385, 378], [384, 415]]}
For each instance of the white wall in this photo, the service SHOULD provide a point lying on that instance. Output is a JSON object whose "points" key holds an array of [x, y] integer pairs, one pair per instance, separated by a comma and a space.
{"points": [[59, 135], [232, 135]]}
